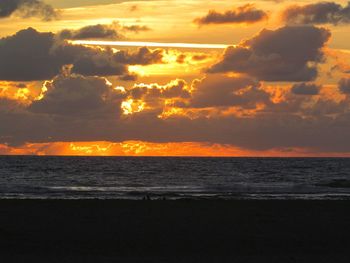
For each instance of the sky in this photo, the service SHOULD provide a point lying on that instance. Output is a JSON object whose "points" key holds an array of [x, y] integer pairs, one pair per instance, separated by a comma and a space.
{"points": [[175, 78]]}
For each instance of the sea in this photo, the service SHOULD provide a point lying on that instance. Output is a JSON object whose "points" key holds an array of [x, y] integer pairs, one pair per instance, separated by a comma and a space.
{"points": [[170, 178]]}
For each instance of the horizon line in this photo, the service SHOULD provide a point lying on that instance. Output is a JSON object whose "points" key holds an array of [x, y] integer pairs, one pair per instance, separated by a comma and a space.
{"points": [[148, 44], [182, 156]]}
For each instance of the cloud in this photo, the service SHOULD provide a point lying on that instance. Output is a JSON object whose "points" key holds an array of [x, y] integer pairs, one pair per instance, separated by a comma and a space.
{"points": [[101, 31], [8, 105], [91, 32], [136, 28], [128, 77], [98, 63], [21, 85], [199, 57], [80, 3], [75, 95], [222, 91], [174, 89], [30, 55], [306, 89], [153, 98], [243, 14], [79, 108], [85, 107], [143, 56], [27, 8], [285, 54], [317, 13], [27, 56], [344, 85]]}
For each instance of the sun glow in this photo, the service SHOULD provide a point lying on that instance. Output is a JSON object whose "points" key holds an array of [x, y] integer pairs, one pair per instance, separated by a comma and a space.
{"points": [[148, 44], [22, 93], [141, 148], [131, 106], [178, 62]]}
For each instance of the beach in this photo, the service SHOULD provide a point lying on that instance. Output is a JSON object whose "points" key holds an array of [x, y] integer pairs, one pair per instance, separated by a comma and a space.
{"points": [[174, 231]]}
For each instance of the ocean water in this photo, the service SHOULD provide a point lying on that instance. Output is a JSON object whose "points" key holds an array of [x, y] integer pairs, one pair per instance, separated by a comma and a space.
{"points": [[174, 178]]}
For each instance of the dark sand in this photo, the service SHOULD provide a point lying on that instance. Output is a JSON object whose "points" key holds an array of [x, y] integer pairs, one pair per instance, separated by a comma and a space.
{"points": [[174, 231]]}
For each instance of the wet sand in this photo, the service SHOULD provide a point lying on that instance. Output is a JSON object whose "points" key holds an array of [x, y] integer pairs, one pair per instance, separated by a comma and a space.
{"points": [[174, 231]]}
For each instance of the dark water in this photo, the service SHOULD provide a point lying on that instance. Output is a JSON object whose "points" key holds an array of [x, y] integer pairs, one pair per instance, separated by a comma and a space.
{"points": [[171, 178]]}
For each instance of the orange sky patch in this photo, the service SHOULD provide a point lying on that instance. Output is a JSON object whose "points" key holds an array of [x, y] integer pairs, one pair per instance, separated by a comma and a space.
{"points": [[139, 148]]}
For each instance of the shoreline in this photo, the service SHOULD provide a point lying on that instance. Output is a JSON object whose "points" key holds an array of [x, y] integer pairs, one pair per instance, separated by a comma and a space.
{"points": [[174, 231]]}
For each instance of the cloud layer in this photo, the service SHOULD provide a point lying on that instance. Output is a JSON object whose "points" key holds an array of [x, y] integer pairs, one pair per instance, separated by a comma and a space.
{"points": [[265, 93], [251, 116]]}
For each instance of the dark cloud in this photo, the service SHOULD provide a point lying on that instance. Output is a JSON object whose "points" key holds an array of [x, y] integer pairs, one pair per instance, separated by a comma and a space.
{"points": [[27, 55], [199, 57], [128, 77], [222, 91], [136, 28], [8, 105], [74, 95], [98, 63], [27, 8], [243, 14], [91, 32], [101, 31], [318, 13], [143, 56], [30, 55], [181, 58], [306, 89], [90, 61], [286, 54], [21, 85], [344, 85], [80, 3], [149, 92]]}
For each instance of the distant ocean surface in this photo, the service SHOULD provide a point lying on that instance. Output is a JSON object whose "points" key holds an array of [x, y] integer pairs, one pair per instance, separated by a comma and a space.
{"points": [[173, 178]]}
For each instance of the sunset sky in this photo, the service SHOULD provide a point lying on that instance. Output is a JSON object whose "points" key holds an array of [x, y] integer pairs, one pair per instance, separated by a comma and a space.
{"points": [[175, 78]]}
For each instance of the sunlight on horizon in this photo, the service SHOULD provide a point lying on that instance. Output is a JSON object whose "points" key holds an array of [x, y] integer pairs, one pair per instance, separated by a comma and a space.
{"points": [[149, 44]]}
